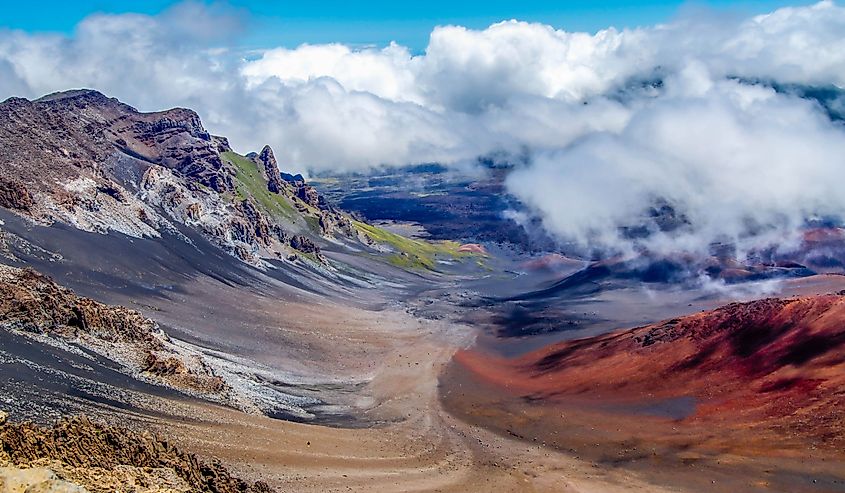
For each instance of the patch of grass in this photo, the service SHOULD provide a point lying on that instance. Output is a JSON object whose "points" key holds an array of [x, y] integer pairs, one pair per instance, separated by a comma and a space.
{"points": [[313, 224], [406, 261], [310, 256], [250, 183], [411, 253]]}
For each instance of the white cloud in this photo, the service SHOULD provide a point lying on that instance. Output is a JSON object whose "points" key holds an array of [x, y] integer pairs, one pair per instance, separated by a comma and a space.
{"points": [[731, 158], [472, 70], [727, 155], [386, 73]]}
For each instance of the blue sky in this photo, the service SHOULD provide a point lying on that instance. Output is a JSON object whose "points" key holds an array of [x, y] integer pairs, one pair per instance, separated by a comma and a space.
{"points": [[290, 23]]}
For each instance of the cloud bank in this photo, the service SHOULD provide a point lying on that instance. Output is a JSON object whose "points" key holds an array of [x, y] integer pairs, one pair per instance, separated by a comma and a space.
{"points": [[614, 123]]}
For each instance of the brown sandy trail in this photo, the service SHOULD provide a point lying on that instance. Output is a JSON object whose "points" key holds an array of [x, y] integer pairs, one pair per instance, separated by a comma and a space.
{"points": [[421, 448]]}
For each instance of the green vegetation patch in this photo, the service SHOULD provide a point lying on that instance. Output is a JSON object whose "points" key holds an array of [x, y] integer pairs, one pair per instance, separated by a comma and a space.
{"points": [[313, 224], [250, 183], [411, 253]]}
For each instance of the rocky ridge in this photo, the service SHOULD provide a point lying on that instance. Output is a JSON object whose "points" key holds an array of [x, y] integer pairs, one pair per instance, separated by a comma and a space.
{"points": [[33, 305], [305, 197], [90, 161]]}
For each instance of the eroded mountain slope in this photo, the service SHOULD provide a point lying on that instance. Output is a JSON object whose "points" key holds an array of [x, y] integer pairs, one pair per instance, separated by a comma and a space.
{"points": [[97, 164]]}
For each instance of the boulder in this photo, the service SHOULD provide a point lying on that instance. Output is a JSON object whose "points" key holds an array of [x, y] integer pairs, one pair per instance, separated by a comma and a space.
{"points": [[14, 195], [304, 244], [309, 195]]}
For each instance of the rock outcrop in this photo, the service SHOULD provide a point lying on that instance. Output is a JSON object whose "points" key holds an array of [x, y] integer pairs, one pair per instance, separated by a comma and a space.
{"points": [[14, 195], [77, 455], [304, 244], [31, 303], [308, 194], [270, 168], [177, 140], [306, 198]]}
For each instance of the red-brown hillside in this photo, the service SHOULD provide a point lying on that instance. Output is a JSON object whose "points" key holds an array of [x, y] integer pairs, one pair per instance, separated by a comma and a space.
{"points": [[772, 361]]}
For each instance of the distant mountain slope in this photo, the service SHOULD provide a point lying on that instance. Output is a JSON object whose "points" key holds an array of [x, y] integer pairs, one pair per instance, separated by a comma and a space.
{"points": [[772, 361], [449, 203]]}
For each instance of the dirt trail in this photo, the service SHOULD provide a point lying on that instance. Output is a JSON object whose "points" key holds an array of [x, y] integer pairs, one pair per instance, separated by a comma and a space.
{"points": [[419, 448]]}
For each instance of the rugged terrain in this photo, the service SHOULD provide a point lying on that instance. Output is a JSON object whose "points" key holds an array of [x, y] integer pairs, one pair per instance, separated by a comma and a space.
{"points": [[746, 384], [156, 280], [245, 289], [35, 307], [76, 455], [767, 359], [112, 168]]}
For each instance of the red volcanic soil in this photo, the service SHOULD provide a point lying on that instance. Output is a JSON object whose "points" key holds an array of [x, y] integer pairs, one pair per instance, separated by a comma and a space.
{"points": [[773, 364], [473, 248], [552, 261], [824, 235]]}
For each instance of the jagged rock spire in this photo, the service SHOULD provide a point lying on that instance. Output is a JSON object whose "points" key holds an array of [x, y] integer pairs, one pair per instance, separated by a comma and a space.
{"points": [[271, 169]]}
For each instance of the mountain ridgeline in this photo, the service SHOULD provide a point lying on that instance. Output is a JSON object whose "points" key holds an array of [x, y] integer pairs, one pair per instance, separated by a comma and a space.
{"points": [[96, 164]]}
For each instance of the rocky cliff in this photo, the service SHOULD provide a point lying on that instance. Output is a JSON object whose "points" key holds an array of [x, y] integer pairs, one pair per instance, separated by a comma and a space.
{"points": [[97, 164]]}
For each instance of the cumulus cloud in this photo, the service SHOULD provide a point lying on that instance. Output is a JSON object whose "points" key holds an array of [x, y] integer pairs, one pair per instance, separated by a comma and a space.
{"points": [[387, 73], [740, 164], [613, 123]]}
